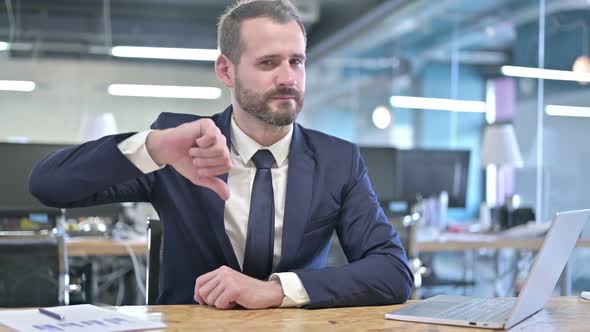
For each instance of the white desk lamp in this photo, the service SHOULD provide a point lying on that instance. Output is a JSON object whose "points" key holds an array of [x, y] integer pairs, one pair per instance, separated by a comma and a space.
{"points": [[96, 126], [499, 146], [499, 149]]}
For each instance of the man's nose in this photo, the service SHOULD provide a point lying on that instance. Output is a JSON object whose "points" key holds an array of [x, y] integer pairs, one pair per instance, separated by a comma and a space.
{"points": [[286, 75]]}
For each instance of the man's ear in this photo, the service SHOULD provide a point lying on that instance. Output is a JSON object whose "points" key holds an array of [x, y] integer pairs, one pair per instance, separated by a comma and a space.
{"points": [[224, 69]]}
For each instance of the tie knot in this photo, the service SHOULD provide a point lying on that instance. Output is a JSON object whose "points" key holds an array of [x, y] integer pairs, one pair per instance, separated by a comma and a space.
{"points": [[263, 159]]}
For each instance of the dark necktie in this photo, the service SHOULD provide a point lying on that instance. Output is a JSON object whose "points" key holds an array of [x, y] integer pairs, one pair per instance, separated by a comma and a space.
{"points": [[261, 221]]}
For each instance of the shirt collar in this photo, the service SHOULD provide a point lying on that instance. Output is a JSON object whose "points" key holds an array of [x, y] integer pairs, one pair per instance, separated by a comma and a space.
{"points": [[246, 147]]}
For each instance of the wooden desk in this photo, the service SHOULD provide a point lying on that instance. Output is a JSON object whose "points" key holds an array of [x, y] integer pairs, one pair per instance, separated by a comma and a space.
{"points": [[561, 314], [98, 246]]}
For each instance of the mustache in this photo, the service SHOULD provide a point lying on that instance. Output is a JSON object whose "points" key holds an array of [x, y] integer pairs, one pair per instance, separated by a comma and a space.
{"points": [[282, 92]]}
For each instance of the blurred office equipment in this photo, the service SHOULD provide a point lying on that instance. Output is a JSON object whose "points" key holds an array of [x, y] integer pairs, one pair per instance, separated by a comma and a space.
{"points": [[424, 183], [96, 279], [17, 162], [500, 147], [408, 175], [20, 211], [34, 271], [96, 126], [500, 151]]}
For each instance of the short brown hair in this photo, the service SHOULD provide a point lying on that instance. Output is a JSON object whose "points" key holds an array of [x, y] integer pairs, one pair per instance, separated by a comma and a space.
{"points": [[228, 30]]}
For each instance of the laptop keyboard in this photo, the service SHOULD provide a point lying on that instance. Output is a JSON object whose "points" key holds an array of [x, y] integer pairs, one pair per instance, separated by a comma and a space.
{"points": [[482, 310]]}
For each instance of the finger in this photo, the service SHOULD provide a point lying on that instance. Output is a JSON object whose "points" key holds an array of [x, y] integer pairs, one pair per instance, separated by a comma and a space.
{"points": [[210, 172], [211, 135], [226, 300], [211, 162], [217, 185], [211, 152], [198, 297], [206, 141], [199, 282], [215, 293], [204, 278], [207, 288]]}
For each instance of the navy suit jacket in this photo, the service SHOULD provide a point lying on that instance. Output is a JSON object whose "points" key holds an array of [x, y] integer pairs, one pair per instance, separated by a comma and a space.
{"points": [[327, 189]]}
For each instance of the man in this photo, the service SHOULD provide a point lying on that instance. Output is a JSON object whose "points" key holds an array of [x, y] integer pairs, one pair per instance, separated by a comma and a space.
{"points": [[265, 244]]}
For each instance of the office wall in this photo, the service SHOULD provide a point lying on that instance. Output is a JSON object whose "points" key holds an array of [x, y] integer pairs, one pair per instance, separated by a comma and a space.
{"points": [[455, 130], [69, 92], [566, 159]]}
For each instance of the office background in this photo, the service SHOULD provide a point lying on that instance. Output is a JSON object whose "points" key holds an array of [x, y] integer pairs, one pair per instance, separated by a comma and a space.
{"points": [[362, 56]]}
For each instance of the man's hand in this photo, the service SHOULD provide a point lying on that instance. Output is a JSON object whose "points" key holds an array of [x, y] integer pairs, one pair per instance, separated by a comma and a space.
{"points": [[197, 150], [225, 288]]}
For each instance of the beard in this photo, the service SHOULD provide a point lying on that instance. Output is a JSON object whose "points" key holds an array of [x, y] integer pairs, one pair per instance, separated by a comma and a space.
{"points": [[258, 105]]}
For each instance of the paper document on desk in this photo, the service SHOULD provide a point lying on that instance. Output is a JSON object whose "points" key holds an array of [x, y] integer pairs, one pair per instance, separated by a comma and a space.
{"points": [[77, 318]]}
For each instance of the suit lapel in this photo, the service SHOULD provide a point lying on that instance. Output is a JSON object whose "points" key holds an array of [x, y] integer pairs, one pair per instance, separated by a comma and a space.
{"points": [[215, 205], [300, 181]]}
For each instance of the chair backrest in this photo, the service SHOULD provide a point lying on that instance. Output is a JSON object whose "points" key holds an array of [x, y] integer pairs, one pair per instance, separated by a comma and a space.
{"points": [[33, 271], [155, 247]]}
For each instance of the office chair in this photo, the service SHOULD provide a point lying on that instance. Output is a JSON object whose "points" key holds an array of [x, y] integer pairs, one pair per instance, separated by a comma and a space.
{"points": [[155, 247], [34, 271]]}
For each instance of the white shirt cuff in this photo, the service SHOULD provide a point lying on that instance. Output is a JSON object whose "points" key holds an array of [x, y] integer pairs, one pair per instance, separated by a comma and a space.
{"points": [[135, 150], [295, 293]]}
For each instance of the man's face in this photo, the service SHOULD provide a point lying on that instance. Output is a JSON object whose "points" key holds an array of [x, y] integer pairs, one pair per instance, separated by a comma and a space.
{"points": [[270, 77]]}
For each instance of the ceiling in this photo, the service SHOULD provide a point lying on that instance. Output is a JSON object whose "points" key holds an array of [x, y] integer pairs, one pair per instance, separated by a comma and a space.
{"points": [[424, 30], [76, 28]]}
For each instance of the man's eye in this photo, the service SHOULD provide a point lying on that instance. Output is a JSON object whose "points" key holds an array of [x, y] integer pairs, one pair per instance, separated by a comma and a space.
{"points": [[298, 62]]}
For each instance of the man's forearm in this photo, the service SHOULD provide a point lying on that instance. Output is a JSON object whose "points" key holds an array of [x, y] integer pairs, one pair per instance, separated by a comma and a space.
{"points": [[79, 175], [374, 280]]}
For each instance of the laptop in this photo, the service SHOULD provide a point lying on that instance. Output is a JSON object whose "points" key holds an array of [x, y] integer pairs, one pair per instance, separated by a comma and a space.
{"points": [[500, 313]]}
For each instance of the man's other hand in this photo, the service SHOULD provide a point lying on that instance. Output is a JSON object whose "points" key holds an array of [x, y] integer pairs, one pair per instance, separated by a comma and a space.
{"points": [[225, 288], [197, 150]]}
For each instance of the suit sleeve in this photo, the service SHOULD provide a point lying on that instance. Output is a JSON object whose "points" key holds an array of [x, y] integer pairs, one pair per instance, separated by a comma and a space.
{"points": [[93, 173], [378, 272]]}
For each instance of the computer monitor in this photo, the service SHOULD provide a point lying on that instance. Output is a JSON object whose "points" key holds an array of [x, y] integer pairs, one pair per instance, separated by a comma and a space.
{"points": [[17, 162], [381, 165], [428, 172], [405, 175]]}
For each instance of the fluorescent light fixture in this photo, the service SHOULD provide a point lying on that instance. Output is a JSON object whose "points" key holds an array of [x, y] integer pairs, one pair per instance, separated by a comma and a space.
{"points": [[165, 53], [3, 46], [164, 91], [440, 104], [546, 74], [23, 86], [560, 110]]}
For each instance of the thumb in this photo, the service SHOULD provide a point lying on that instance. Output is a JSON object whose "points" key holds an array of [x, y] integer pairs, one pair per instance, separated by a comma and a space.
{"points": [[217, 185]]}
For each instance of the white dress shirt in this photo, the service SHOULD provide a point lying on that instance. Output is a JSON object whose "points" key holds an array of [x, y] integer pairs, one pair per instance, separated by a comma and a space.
{"points": [[237, 208]]}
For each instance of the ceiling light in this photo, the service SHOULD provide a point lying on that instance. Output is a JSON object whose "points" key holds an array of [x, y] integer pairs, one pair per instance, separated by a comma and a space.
{"points": [[3, 46], [24, 86], [560, 110], [546, 74], [165, 53], [441, 104], [381, 117], [164, 91]]}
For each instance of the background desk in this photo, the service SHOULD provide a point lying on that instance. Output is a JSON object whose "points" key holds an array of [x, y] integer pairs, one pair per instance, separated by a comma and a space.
{"points": [[99, 246], [561, 314], [473, 241]]}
